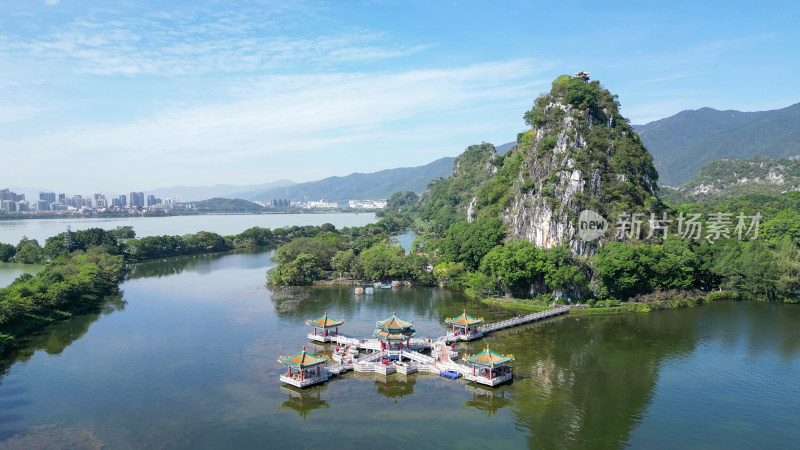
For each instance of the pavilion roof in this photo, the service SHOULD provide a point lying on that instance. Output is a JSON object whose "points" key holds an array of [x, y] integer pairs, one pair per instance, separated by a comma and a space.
{"points": [[393, 323], [303, 359], [325, 321], [392, 336], [464, 320], [489, 358]]}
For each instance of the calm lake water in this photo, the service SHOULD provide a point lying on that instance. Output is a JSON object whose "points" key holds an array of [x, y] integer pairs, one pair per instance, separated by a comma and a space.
{"points": [[11, 231], [187, 356]]}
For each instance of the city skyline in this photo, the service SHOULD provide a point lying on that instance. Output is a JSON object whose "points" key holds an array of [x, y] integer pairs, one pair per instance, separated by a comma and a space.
{"points": [[144, 95]]}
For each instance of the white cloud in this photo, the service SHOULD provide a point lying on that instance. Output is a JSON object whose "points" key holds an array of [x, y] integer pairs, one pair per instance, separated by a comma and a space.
{"points": [[164, 44], [287, 116]]}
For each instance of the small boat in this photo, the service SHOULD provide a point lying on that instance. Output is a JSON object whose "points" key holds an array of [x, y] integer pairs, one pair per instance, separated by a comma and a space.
{"points": [[369, 290], [359, 291], [386, 286], [450, 374], [376, 285]]}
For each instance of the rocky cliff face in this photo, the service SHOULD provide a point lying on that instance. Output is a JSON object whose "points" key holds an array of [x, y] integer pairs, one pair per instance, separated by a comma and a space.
{"points": [[579, 153]]}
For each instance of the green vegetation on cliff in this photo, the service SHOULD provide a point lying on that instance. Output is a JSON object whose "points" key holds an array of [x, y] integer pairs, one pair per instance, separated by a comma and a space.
{"points": [[734, 178]]}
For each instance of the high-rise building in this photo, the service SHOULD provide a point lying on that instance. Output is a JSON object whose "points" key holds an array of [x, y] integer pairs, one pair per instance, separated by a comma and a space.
{"points": [[49, 197], [6, 194], [100, 201], [123, 201], [137, 199], [278, 203], [62, 199], [151, 200]]}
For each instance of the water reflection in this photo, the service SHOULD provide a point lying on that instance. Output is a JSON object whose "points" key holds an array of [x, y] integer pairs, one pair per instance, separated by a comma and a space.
{"points": [[303, 401], [487, 400], [54, 338], [393, 387], [203, 263]]}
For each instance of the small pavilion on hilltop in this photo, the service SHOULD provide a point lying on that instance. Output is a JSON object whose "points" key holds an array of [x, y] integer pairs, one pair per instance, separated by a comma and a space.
{"points": [[582, 75], [327, 327], [393, 331], [304, 369], [489, 367], [467, 326]]}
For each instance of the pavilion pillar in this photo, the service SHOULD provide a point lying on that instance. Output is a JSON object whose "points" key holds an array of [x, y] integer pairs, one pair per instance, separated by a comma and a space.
{"points": [[317, 370], [289, 372], [302, 374], [491, 372], [315, 331]]}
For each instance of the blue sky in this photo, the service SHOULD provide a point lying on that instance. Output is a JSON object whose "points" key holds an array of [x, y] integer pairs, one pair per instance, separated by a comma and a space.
{"points": [[134, 95]]}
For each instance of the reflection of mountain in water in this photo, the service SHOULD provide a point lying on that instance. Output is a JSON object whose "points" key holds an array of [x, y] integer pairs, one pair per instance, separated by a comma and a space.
{"points": [[303, 401], [593, 378], [56, 337]]}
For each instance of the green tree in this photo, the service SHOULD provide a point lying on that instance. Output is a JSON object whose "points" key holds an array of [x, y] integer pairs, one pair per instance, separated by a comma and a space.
{"points": [[519, 267], [564, 273], [788, 266], [7, 252], [383, 261], [619, 271], [29, 252], [470, 242], [345, 262]]}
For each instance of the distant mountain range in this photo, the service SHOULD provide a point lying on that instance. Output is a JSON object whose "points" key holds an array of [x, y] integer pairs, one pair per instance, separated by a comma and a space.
{"points": [[682, 144], [195, 193], [358, 186]]}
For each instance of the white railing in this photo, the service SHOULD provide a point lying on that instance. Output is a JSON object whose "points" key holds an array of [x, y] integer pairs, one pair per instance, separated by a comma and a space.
{"points": [[494, 381], [369, 358], [308, 381], [419, 357], [523, 319]]}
